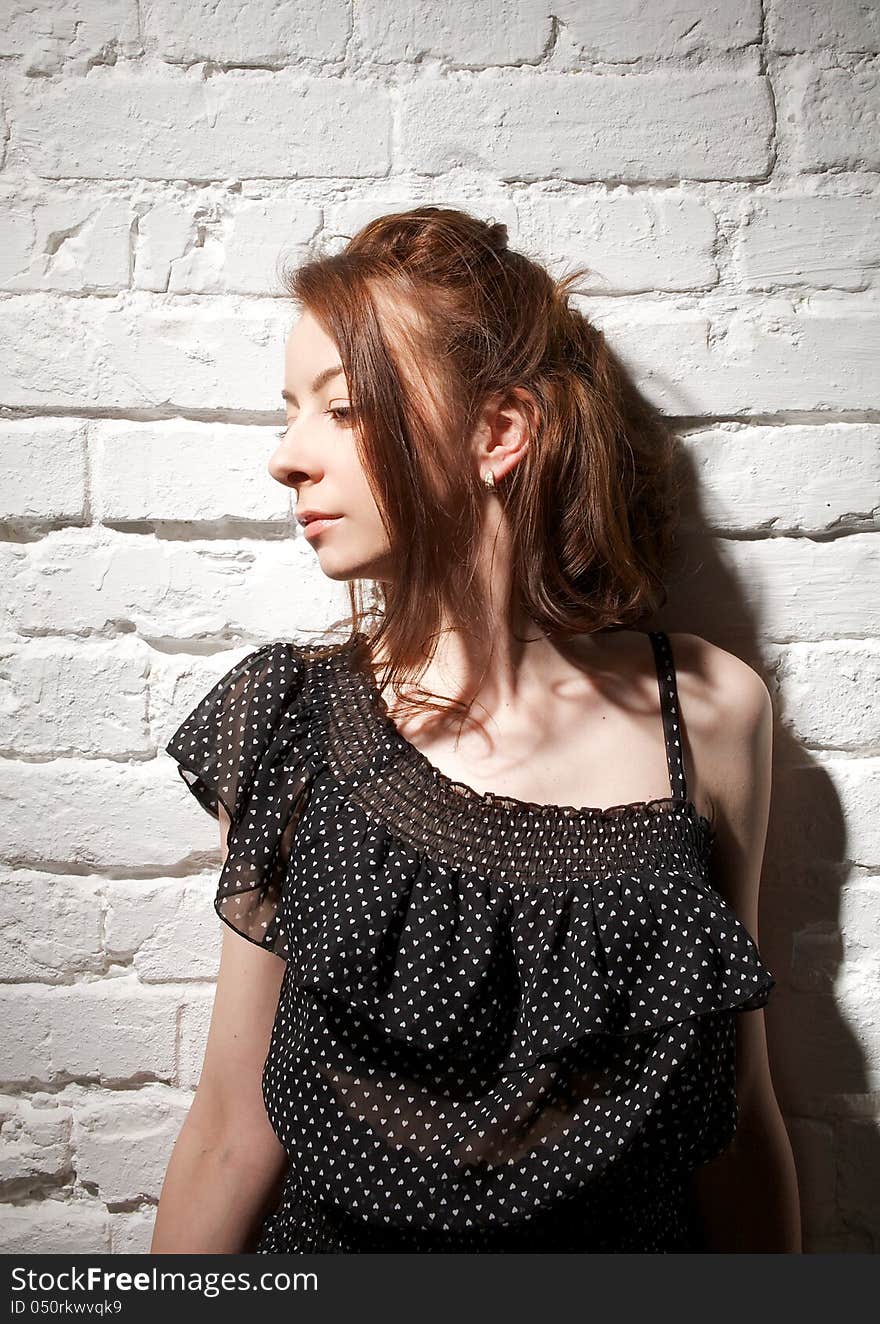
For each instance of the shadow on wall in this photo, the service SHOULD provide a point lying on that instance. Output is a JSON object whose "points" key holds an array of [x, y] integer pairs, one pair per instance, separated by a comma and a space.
{"points": [[810, 889]]}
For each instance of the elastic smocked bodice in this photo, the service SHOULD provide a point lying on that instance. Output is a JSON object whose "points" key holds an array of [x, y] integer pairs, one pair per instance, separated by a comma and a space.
{"points": [[517, 840]]}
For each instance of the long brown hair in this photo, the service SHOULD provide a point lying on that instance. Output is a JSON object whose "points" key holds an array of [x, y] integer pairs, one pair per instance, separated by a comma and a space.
{"points": [[432, 314]]}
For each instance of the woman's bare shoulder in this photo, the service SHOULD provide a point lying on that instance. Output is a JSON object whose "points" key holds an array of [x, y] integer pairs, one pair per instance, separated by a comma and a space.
{"points": [[727, 713], [719, 686]]}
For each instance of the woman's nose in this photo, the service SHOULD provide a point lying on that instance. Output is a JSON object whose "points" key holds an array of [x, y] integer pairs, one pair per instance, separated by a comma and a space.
{"points": [[289, 463]]}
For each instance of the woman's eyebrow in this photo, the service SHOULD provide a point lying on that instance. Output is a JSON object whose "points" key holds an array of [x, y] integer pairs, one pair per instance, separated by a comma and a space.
{"points": [[322, 379]]}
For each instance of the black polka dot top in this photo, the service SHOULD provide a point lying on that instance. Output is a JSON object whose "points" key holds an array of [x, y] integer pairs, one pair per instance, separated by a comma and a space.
{"points": [[502, 1026]]}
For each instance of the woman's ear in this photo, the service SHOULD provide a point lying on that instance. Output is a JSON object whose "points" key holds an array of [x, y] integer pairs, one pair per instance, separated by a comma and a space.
{"points": [[503, 432]]}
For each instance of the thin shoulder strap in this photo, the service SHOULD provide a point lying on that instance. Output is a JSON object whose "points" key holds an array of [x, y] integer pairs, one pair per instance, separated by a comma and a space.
{"points": [[670, 710]]}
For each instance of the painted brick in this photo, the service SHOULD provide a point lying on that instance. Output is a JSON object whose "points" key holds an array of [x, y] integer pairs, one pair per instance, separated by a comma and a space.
{"points": [[219, 589], [99, 1030], [56, 239], [221, 244], [632, 241], [761, 359], [784, 479], [124, 1141], [195, 1020], [76, 698], [496, 32], [168, 928], [261, 32], [55, 1227], [827, 693], [820, 242], [653, 126], [836, 119], [49, 34], [54, 449], [50, 924], [36, 1141], [121, 125], [625, 30], [782, 588], [843, 25], [210, 472], [136, 352]]}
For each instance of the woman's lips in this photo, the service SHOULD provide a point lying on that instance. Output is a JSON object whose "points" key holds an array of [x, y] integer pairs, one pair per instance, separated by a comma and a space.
{"points": [[316, 526]]}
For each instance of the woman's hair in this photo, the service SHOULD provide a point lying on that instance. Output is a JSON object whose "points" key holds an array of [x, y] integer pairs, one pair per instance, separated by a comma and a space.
{"points": [[433, 314]]}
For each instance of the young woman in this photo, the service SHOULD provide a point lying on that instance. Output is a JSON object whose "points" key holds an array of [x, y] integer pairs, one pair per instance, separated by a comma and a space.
{"points": [[489, 979]]}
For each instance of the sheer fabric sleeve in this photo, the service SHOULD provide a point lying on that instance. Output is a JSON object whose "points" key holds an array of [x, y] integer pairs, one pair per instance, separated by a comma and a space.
{"points": [[245, 746]]}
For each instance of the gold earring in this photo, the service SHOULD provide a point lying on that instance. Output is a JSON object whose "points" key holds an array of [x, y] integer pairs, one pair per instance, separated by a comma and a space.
{"points": [[489, 480]]}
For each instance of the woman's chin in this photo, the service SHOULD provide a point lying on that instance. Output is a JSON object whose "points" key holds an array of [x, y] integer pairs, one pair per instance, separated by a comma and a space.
{"points": [[337, 566]]}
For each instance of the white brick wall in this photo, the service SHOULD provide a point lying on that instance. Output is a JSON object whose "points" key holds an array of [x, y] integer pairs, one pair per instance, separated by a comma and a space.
{"points": [[716, 165]]}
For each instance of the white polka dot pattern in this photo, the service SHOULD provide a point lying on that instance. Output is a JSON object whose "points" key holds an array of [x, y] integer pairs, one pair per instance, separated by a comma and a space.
{"points": [[503, 1026]]}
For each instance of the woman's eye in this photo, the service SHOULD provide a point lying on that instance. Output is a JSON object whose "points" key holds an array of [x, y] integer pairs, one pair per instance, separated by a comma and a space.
{"points": [[339, 413]]}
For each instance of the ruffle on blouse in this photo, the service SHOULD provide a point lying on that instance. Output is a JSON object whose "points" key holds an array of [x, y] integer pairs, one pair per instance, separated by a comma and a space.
{"points": [[248, 745], [475, 972], [432, 958]]}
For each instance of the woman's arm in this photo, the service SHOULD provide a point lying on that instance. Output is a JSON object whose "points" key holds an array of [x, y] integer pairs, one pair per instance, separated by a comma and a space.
{"points": [[227, 1165], [748, 1196]]}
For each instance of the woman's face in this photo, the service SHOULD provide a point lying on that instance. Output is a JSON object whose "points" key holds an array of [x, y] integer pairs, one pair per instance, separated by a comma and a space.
{"points": [[317, 456]]}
